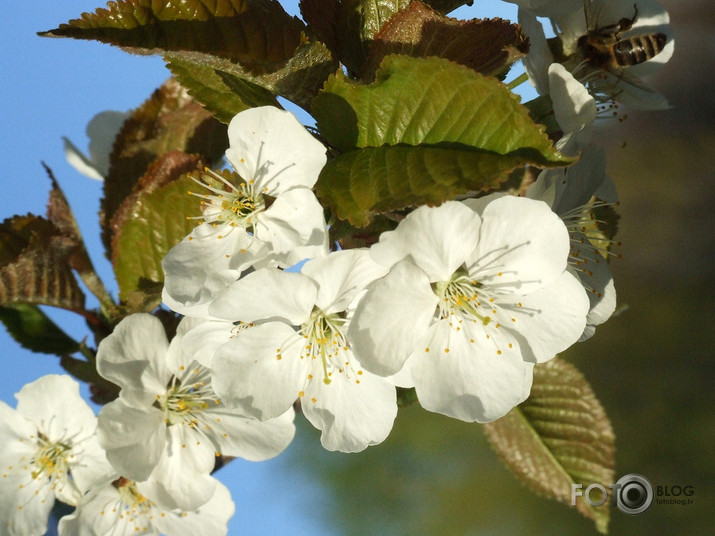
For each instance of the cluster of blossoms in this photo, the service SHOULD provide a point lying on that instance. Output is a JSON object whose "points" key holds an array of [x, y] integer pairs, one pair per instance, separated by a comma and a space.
{"points": [[459, 302], [143, 466]]}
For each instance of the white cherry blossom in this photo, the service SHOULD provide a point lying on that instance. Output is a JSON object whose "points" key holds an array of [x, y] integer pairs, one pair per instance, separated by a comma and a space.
{"points": [[295, 347], [168, 425], [628, 85], [548, 8], [271, 212], [102, 130], [48, 451], [477, 293], [123, 507], [569, 192]]}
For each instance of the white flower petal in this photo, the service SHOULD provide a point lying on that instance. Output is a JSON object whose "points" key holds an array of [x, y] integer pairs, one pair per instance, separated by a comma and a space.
{"points": [[267, 294], [202, 265], [78, 160], [134, 358], [134, 439], [635, 93], [523, 245], [353, 411], [181, 479], [570, 188], [537, 61], [548, 320], [13, 429], [102, 511], [90, 465], [102, 130], [597, 279], [272, 148], [341, 276], [574, 107], [390, 318], [470, 382], [247, 373], [54, 404], [294, 226], [25, 505], [211, 519], [202, 341], [98, 513], [548, 8], [249, 438], [438, 240]]}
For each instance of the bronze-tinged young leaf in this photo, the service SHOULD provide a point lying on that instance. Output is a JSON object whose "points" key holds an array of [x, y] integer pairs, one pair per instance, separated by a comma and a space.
{"points": [[59, 211], [321, 16], [488, 46], [170, 120], [347, 27], [223, 94], [558, 437], [257, 33], [359, 184], [149, 223], [298, 81], [34, 330], [35, 264], [358, 22], [445, 6]]}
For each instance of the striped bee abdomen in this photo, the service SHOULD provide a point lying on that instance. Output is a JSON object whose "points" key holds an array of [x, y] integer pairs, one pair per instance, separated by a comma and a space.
{"points": [[637, 49]]}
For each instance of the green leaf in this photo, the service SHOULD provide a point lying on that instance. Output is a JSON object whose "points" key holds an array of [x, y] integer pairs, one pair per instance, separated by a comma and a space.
{"points": [[299, 80], [364, 182], [428, 130], [223, 94], [36, 264], [170, 120], [429, 101], [34, 330], [156, 218], [257, 33], [558, 437], [488, 46]]}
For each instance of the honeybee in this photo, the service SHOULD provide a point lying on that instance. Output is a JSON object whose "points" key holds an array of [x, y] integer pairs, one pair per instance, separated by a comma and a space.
{"points": [[604, 47]]}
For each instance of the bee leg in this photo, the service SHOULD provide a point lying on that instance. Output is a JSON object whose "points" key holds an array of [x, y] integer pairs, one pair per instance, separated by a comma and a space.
{"points": [[625, 23]]}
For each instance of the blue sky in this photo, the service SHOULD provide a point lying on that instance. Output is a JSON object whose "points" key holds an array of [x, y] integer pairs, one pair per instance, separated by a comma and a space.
{"points": [[51, 88]]}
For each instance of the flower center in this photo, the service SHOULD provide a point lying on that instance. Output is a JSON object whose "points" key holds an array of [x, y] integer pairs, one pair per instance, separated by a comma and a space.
{"points": [[135, 506], [589, 245], [51, 459], [325, 340], [460, 297], [239, 206], [188, 394]]}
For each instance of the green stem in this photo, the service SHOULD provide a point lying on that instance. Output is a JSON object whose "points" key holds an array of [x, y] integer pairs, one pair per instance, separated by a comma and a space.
{"points": [[523, 77], [96, 287]]}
